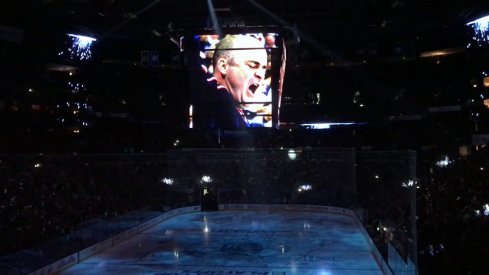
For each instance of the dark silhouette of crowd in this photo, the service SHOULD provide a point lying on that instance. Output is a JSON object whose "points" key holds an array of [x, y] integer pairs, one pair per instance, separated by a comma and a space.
{"points": [[44, 196], [453, 213]]}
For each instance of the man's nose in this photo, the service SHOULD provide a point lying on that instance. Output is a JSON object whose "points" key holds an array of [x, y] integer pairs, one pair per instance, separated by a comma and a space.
{"points": [[260, 74]]}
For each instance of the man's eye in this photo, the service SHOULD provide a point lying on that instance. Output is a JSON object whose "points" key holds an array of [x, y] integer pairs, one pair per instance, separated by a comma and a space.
{"points": [[253, 65]]}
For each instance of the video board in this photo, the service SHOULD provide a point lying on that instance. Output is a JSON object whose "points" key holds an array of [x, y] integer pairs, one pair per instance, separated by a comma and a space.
{"points": [[235, 79]]}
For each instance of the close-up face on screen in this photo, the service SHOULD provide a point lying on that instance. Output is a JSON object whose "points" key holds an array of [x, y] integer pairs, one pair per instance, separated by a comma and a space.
{"points": [[239, 68]]}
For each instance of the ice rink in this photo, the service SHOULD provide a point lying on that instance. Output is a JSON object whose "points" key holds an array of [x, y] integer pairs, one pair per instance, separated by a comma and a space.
{"points": [[242, 242]]}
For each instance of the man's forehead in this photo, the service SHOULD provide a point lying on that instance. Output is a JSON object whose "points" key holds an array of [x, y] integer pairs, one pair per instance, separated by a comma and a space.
{"points": [[243, 41], [249, 46], [257, 55]]}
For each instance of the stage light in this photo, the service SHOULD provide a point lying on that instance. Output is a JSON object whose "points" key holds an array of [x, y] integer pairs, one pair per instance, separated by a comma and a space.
{"points": [[167, 181], [324, 125], [304, 187], [292, 154], [486, 209], [444, 162], [80, 48], [206, 179], [481, 30], [409, 183]]}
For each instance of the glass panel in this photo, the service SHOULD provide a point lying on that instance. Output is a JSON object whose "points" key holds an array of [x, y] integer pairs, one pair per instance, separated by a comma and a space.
{"points": [[79, 200]]}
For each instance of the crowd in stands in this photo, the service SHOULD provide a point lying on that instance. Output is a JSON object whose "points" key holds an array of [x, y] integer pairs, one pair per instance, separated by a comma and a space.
{"points": [[43, 197], [47, 195], [453, 214]]}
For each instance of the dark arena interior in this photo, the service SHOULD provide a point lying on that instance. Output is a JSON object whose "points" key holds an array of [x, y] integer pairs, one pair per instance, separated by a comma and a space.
{"points": [[244, 137]]}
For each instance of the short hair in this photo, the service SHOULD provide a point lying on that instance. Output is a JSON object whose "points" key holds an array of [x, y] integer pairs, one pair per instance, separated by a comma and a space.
{"points": [[224, 48]]}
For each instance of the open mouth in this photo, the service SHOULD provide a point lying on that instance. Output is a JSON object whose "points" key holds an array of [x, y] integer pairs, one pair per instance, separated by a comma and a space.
{"points": [[253, 87]]}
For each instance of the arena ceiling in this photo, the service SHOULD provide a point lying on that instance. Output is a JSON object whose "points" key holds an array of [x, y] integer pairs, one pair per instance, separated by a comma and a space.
{"points": [[327, 25]]}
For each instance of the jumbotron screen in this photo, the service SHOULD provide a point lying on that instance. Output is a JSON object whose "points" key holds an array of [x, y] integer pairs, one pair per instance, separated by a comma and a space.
{"points": [[235, 80]]}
